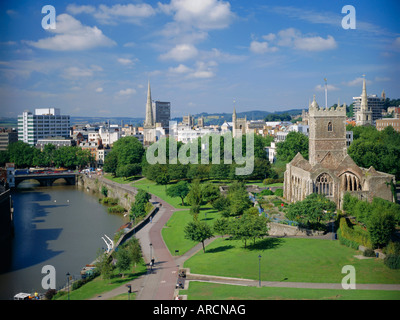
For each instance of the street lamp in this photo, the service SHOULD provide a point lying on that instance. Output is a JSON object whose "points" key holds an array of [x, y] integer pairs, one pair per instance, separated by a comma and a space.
{"points": [[151, 260], [259, 270], [68, 283]]}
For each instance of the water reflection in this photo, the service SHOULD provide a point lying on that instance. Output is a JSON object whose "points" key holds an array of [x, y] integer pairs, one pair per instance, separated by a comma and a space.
{"points": [[60, 226]]}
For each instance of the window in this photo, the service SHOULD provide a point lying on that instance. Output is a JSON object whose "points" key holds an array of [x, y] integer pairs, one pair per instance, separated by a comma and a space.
{"points": [[329, 126], [324, 184]]}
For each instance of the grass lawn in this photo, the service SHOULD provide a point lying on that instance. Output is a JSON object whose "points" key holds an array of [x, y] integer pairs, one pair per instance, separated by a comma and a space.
{"points": [[288, 259], [214, 291], [120, 179], [159, 191], [98, 285], [173, 231]]}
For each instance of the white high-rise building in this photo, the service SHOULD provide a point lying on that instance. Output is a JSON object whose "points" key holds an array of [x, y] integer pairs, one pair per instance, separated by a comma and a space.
{"points": [[44, 123]]}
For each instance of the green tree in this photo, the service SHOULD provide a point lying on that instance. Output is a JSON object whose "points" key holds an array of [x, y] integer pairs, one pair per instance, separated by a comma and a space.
{"points": [[139, 206], [210, 192], [198, 231], [194, 196], [111, 163], [221, 226], [4, 158], [21, 154], [238, 198], [123, 260], [181, 190], [314, 210], [295, 142], [128, 170], [135, 252], [129, 150], [104, 266], [381, 226]]}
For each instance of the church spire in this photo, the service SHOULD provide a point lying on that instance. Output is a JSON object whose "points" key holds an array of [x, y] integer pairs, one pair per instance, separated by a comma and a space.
{"points": [[364, 98], [149, 109]]}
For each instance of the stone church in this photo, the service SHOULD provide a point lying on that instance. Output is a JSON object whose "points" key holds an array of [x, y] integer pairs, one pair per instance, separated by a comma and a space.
{"points": [[330, 170]]}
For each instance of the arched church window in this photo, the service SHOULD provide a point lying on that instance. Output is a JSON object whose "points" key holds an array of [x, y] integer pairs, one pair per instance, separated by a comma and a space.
{"points": [[324, 184], [350, 182], [329, 126]]}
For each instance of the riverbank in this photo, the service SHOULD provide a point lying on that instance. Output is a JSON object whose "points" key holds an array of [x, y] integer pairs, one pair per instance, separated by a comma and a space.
{"points": [[124, 193]]}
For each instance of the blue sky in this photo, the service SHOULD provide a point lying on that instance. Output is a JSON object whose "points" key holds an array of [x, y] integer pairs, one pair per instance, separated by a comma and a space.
{"points": [[199, 55]]}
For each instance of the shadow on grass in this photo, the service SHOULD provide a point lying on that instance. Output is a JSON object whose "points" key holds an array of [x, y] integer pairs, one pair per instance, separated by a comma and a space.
{"points": [[219, 249], [115, 279], [265, 244]]}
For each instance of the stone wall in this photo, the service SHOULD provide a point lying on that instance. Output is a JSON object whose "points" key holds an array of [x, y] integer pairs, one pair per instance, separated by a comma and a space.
{"points": [[125, 195], [278, 229]]}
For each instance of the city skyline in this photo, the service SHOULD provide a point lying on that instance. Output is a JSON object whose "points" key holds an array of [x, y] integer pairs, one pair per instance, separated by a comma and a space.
{"points": [[200, 56]]}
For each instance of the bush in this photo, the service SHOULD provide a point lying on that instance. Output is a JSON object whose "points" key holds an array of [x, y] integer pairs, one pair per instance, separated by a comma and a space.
{"points": [[109, 201], [272, 181], [116, 209], [357, 236], [369, 253], [279, 192], [267, 192], [392, 261], [104, 191], [346, 242]]}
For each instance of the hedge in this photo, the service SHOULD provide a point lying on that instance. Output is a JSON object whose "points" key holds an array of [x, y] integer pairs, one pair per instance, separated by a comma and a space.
{"points": [[351, 237]]}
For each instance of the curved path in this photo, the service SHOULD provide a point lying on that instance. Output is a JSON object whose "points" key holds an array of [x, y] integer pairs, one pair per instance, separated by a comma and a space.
{"points": [[160, 281]]}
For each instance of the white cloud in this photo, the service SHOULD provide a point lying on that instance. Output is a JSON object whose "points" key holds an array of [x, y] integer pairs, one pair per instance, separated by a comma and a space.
{"points": [[181, 69], [203, 70], [357, 82], [129, 45], [76, 72], [204, 14], [396, 43], [269, 37], [292, 38], [75, 9], [125, 61], [315, 43], [180, 52], [330, 87], [131, 13], [200, 70], [99, 90], [261, 47], [71, 35], [127, 92]]}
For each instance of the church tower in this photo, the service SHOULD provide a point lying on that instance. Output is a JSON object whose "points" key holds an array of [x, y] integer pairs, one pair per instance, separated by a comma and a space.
{"points": [[364, 115], [327, 133]]}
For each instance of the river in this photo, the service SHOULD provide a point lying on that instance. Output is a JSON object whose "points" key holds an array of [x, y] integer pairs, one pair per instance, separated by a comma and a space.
{"points": [[61, 226]]}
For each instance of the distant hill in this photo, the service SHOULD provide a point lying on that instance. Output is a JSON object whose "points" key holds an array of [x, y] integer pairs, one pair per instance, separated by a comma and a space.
{"points": [[210, 118], [106, 120], [220, 118]]}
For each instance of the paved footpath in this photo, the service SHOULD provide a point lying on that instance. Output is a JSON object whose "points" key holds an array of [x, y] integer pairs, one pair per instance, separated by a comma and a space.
{"points": [[160, 282]]}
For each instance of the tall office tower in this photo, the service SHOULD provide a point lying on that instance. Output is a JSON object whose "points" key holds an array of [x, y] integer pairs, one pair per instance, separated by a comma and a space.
{"points": [[44, 123], [162, 113]]}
